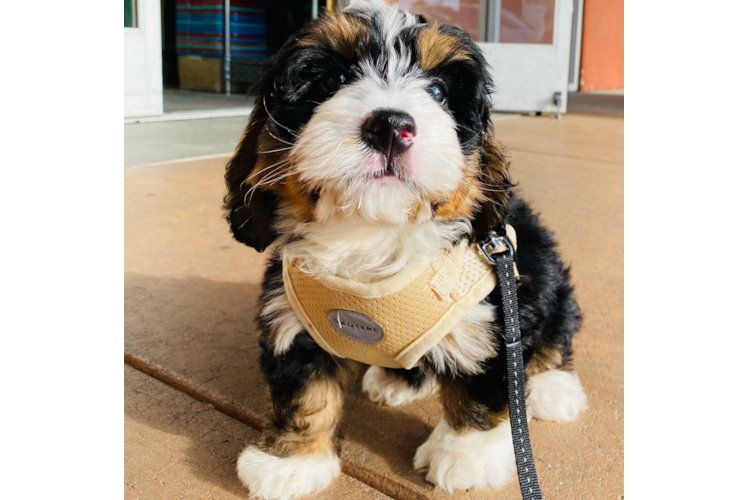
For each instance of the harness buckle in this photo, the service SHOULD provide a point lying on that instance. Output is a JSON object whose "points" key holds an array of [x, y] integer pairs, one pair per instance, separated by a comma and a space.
{"points": [[494, 242]]}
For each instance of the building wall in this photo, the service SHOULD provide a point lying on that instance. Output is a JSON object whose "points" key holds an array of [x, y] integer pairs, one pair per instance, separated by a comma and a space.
{"points": [[143, 80], [601, 65]]}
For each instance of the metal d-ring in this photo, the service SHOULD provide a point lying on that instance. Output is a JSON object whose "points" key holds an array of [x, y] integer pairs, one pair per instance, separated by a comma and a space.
{"points": [[491, 243]]}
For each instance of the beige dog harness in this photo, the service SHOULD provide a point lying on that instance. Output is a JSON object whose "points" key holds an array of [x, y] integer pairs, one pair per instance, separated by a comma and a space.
{"points": [[394, 321]]}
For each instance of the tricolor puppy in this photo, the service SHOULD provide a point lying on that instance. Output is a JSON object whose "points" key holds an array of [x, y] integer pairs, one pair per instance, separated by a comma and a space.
{"points": [[369, 162]]}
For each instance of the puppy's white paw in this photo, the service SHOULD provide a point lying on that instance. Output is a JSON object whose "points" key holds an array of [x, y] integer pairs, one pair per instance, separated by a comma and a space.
{"points": [[472, 458], [556, 395], [274, 478], [393, 391]]}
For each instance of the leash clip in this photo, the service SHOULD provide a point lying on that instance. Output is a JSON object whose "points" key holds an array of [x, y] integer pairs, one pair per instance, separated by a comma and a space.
{"points": [[492, 243]]}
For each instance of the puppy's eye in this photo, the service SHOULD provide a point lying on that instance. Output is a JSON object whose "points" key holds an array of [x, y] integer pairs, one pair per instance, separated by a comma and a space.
{"points": [[438, 92], [333, 81]]}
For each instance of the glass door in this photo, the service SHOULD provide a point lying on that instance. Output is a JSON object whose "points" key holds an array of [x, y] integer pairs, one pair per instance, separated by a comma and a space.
{"points": [[527, 43]]}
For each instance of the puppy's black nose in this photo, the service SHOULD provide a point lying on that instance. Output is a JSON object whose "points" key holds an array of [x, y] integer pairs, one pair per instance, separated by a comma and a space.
{"points": [[389, 131]]}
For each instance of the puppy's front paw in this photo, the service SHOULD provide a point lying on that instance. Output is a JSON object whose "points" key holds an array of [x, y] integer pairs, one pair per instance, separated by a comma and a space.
{"points": [[393, 391], [556, 395], [468, 459], [274, 478]]}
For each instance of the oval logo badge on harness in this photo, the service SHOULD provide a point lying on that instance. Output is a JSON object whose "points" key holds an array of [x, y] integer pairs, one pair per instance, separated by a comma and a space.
{"points": [[355, 326]]}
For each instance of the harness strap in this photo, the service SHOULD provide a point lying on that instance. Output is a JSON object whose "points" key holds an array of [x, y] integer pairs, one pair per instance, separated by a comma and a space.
{"points": [[504, 265]]}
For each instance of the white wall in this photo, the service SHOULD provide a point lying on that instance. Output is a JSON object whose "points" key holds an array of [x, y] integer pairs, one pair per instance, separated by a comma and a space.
{"points": [[143, 79]]}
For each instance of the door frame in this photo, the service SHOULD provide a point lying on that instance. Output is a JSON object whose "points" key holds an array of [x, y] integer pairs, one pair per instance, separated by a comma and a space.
{"points": [[576, 45], [143, 72], [532, 77]]}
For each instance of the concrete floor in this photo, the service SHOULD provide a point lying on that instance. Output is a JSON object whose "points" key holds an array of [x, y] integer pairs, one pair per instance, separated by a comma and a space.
{"points": [[190, 295], [171, 137], [148, 143], [176, 100]]}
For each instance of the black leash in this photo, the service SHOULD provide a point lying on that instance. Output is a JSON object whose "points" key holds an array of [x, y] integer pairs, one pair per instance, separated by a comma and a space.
{"points": [[503, 262]]}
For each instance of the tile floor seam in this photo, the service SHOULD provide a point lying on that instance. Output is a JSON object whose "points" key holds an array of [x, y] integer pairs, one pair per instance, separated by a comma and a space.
{"points": [[350, 468]]}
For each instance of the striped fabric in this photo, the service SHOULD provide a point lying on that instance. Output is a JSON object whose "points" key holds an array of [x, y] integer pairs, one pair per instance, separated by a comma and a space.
{"points": [[200, 28], [248, 28]]}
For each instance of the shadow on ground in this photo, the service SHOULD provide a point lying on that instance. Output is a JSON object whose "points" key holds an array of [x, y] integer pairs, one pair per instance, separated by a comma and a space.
{"points": [[202, 333], [200, 440]]}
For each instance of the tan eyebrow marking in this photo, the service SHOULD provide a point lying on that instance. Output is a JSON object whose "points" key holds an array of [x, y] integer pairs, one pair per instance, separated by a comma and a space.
{"points": [[337, 30], [437, 48]]}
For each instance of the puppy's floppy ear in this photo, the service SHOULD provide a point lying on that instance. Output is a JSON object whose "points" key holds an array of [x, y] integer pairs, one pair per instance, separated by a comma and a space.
{"points": [[494, 176], [250, 217]]}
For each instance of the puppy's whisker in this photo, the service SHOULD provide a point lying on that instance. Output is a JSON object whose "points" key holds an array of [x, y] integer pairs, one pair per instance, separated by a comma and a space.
{"points": [[282, 162], [489, 177], [245, 222], [275, 179], [274, 150], [276, 121], [483, 187], [487, 187], [269, 178], [267, 183], [469, 140], [494, 189], [269, 174], [495, 202], [277, 165], [277, 138]]}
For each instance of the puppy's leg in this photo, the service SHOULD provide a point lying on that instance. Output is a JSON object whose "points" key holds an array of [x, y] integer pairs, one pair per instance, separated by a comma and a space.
{"points": [[395, 387], [553, 389], [472, 445], [297, 453]]}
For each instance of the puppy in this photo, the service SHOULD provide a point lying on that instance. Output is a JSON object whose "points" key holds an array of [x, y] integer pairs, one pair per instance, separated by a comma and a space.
{"points": [[370, 146]]}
